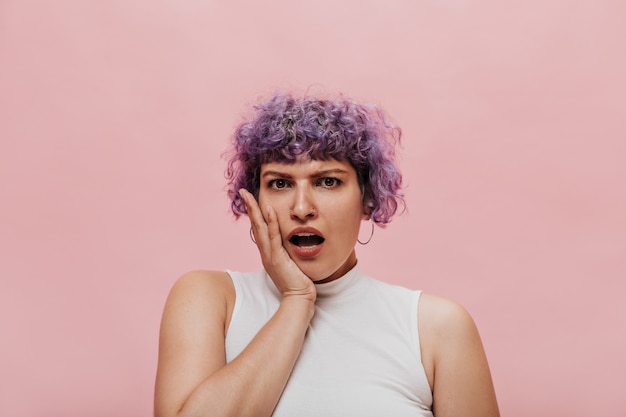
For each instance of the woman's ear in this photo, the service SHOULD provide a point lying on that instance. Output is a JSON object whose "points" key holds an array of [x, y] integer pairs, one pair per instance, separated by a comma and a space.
{"points": [[366, 201], [366, 212]]}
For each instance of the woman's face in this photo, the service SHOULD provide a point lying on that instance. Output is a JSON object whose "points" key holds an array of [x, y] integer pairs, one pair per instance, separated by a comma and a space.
{"points": [[319, 209]]}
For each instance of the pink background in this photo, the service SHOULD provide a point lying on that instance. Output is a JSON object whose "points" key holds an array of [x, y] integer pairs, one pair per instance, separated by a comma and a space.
{"points": [[113, 116]]}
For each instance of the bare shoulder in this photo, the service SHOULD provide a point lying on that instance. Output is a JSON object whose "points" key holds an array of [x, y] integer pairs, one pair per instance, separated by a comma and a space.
{"points": [[454, 359], [203, 280], [441, 317], [200, 295], [198, 298], [201, 286]]}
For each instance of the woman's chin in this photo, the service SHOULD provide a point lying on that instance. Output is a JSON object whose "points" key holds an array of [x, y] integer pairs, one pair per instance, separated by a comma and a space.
{"points": [[321, 270]]}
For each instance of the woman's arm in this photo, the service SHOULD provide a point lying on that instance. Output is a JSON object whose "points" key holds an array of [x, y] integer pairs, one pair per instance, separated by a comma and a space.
{"points": [[192, 377], [455, 361]]}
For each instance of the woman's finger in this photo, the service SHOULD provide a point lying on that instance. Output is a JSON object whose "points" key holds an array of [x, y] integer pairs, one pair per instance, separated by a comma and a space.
{"points": [[257, 222], [273, 230]]}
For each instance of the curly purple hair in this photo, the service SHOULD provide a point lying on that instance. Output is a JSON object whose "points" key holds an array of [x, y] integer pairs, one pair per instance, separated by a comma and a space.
{"points": [[286, 128]]}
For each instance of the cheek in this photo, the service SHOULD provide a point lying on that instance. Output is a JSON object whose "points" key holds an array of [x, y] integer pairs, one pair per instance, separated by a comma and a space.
{"points": [[266, 201], [348, 210], [352, 217]]}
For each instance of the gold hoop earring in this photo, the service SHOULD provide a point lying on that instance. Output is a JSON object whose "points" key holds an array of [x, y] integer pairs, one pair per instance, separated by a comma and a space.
{"points": [[370, 238]]}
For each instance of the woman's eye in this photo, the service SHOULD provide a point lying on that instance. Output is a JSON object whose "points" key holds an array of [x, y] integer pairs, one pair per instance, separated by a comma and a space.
{"points": [[329, 182], [278, 184]]}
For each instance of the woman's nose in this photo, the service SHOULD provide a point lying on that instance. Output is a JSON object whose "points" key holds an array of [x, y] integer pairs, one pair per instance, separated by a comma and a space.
{"points": [[303, 206]]}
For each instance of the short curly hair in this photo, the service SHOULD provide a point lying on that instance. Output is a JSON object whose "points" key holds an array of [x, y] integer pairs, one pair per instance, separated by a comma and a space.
{"points": [[285, 128]]}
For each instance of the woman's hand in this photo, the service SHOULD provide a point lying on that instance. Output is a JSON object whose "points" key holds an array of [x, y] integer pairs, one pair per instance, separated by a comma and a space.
{"points": [[287, 277]]}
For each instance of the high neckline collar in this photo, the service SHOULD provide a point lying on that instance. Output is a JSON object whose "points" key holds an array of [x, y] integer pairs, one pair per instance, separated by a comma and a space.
{"points": [[340, 285]]}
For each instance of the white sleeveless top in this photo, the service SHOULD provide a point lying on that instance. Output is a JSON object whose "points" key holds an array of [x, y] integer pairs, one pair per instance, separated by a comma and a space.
{"points": [[361, 354]]}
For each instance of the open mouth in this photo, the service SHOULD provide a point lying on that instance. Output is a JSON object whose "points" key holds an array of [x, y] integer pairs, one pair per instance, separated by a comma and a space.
{"points": [[306, 240]]}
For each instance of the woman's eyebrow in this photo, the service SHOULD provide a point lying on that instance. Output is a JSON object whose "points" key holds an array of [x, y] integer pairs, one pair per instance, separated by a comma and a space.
{"points": [[316, 174], [327, 172], [276, 174]]}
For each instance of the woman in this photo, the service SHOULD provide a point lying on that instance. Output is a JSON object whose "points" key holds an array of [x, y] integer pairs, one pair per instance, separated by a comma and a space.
{"points": [[312, 335]]}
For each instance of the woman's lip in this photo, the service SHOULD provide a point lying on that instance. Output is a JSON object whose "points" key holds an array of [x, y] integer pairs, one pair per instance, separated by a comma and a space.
{"points": [[304, 230]]}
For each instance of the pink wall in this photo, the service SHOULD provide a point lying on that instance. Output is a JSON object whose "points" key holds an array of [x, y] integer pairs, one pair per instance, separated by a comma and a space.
{"points": [[113, 116]]}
